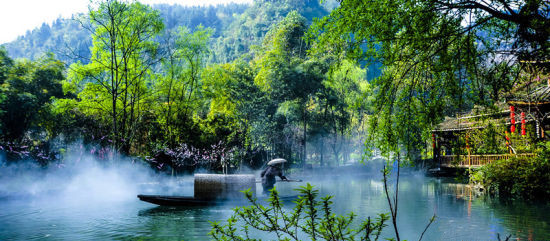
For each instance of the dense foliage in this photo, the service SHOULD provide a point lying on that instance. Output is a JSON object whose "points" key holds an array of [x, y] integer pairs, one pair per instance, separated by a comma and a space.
{"points": [[525, 177], [64, 38], [150, 87], [438, 57], [70, 41], [26, 90]]}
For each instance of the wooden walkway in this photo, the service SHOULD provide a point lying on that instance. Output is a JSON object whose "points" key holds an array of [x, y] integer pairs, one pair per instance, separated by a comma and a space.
{"points": [[465, 161]]}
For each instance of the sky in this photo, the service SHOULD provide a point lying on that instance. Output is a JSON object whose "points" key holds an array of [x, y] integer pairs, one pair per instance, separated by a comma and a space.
{"points": [[18, 16]]}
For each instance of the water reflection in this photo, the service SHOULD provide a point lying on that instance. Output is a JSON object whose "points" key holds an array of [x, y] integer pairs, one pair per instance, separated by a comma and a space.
{"points": [[522, 220], [178, 223], [461, 214]]}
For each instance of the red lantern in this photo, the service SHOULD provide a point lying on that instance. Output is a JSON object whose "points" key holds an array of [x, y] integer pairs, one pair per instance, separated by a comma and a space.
{"points": [[433, 140], [513, 128], [522, 123]]}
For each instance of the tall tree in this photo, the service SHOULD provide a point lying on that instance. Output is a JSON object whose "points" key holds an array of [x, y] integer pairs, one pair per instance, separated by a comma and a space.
{"points": [[288, 77], [176, 90], [122, 55]]}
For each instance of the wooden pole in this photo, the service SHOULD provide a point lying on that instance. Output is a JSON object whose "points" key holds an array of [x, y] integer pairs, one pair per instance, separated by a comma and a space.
{"points": [[469, 153], [469, 158]]}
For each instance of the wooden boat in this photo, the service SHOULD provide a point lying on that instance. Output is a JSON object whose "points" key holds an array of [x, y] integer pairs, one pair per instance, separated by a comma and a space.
{"points": [[178, 200], [163, 200]]}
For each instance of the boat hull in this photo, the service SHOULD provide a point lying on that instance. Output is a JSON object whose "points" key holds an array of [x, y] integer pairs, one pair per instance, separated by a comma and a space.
{"points": [[179, 200], [163, 200]]}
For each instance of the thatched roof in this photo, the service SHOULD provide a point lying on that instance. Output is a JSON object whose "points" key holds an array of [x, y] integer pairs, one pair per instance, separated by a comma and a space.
{"points": [[537, 96], [471, 122]]}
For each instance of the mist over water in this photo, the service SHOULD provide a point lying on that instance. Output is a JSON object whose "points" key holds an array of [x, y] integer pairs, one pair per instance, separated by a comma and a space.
{"points": [[83, 198], [85, 179]]}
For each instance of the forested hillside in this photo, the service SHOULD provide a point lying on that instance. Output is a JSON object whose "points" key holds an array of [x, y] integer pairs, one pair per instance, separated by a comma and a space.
{"points": [[235, 28], [70, 42]]}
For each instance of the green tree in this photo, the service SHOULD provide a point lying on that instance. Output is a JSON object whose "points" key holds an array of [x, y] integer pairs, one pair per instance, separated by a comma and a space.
{"points": [[288, 77], [343, 105], [249, 28], [438, 57], [28, 90], [177, 90], [113, 84], [6, 63]]}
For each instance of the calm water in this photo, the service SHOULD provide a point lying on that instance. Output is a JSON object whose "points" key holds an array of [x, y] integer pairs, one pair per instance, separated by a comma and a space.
{"points": [[460, 216]]}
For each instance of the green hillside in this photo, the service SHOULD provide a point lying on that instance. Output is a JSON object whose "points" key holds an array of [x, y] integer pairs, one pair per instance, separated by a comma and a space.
{"points": [[236, 27]]}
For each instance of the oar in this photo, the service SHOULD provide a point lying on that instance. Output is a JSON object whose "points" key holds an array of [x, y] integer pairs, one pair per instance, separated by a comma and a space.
{"points": [[287, 180], [292, 180]]}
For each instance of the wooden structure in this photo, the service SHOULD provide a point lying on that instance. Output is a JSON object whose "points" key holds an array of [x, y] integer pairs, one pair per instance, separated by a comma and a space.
{"points": [[527, 105], [466, 161], [448, 132], [222, 186], [533, 107], [530, 100]]}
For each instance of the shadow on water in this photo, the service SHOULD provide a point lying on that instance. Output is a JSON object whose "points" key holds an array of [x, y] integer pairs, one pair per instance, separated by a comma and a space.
{"points": [[164, 211], [177, 223]]}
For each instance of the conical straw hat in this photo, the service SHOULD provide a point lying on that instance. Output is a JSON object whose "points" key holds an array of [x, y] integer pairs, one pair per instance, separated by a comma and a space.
{"points": [[276, 161]]}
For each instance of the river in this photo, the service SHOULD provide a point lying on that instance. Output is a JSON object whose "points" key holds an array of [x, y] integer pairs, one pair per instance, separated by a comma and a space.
{"points": [[460, 214]]}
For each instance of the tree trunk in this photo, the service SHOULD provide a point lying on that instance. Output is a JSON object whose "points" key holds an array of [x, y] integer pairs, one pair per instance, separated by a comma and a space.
{"points": [[304, 155]]}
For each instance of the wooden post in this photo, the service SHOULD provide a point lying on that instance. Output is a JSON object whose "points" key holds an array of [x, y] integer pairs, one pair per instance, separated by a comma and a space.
{"points": [[469, 153], [508, 142], [469, 158]]}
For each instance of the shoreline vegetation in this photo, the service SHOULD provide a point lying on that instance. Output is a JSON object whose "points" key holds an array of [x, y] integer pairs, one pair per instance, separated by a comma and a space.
{"points": [[518, 177]]}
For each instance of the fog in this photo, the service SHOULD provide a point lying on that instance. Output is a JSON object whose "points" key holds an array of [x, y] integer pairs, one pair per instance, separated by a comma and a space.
{"points": [[84, 178], [80, 178]]}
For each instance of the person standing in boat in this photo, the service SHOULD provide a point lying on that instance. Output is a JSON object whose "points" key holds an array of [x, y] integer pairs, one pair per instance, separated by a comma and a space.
{"points": [[268, 175]]}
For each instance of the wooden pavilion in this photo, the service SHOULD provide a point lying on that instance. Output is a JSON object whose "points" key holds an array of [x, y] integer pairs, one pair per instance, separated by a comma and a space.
{"points": [[528, 107]]}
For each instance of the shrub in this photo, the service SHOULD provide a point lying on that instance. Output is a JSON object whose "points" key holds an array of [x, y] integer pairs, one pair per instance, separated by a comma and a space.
{"points": [[309, 217], [525, 177]]}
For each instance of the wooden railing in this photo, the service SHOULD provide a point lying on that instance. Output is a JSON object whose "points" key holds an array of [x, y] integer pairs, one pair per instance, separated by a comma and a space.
{"points": [[476, 160]]}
